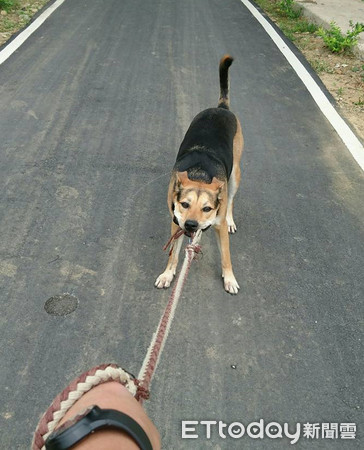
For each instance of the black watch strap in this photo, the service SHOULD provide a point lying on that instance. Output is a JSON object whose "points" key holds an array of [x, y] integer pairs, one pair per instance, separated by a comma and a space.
{"points": [[97, 419]]}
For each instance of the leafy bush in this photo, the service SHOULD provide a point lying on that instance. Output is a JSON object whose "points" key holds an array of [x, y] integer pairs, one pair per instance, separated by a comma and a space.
{"points": [[336, 41], [6, 4]]}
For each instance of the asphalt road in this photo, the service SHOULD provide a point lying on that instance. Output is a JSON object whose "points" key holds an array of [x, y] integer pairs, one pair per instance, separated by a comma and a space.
{"points": [[93, 108]]}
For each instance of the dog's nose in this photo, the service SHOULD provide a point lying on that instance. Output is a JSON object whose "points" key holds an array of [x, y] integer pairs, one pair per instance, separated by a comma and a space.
{"points": [[191, 225]]}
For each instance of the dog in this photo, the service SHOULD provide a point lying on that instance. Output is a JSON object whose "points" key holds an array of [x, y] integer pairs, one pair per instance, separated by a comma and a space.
{"points": [[205, 179]]}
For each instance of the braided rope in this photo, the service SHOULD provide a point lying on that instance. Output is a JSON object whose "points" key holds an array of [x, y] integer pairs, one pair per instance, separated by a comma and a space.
{"points": [[78, 387], [160, 336]]}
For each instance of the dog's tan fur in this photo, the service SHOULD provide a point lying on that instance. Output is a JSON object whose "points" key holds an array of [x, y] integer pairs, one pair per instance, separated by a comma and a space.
{"points": [[209, 204]]}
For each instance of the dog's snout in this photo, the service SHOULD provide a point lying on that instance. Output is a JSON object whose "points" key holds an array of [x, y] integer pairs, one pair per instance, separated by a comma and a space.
{"points": [[191, 225]]}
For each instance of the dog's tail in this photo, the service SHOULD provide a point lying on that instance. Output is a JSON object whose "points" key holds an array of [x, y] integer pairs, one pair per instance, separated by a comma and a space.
{"points": [[225, 63]]}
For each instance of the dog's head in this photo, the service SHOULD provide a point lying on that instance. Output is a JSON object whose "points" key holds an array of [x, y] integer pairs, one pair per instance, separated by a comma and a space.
{"points": [[195, 204]]}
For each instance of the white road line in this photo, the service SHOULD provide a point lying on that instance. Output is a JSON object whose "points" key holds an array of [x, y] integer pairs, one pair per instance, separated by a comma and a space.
{"points": [[23, 36], [346, 134]]}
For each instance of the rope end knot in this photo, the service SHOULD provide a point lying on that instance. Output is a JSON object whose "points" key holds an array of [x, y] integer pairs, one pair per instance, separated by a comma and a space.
{"points": [[142, 392], [195, 248]]}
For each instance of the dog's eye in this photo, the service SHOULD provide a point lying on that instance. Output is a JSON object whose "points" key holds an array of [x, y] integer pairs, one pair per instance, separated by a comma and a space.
{"points": [[185, 205], [206, 209]]}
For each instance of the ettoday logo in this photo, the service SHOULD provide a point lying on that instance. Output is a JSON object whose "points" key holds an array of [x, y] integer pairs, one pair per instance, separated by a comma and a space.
{"points": [[236, 430], [203, 429]]}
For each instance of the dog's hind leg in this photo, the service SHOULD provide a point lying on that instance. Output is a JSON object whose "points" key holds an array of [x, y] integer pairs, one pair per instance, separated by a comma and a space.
{"points": [[164, 280], [232, 189], [235, 177]]}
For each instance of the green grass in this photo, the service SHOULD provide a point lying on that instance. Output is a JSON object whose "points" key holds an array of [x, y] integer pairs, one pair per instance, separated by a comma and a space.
{"points": [[302, 26], [288, 16], [7, 25], [359, 69], [8, 5], [288, 8], [299, 26], [321, 66]]}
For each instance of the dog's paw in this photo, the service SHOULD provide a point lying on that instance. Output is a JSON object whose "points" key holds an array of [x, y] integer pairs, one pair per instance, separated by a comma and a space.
{"points": [[230, 284], [231, 225], [232, 228], [164, 280]]}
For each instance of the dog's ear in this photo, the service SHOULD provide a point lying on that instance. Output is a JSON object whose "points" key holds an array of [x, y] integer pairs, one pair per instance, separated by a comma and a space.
{"points": [[178, 182], [217, 185], [182, 178]]}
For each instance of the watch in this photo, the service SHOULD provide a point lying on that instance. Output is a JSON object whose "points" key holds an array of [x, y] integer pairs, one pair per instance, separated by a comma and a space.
{"points": [[92, 419]]}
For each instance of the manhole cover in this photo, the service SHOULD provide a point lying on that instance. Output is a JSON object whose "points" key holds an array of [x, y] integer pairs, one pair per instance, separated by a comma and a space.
{"points": [[61, 305]]}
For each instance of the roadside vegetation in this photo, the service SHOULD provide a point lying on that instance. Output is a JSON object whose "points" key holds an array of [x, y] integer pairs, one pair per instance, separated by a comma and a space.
{"points": [[336, 41], [16, 14], [330, 53]]}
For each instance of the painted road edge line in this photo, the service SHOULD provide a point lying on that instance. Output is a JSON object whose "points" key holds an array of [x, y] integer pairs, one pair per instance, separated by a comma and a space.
{"points": [[341, 127], [23, 35]]}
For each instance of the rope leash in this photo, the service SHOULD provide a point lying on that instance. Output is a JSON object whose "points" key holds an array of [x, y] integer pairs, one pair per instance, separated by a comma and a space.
{"points": [[138, 387], [160, 336], [175, 236]]}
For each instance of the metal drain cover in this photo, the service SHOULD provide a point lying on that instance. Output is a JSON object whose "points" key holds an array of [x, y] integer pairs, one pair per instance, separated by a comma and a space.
{"points": [[61, 305]]}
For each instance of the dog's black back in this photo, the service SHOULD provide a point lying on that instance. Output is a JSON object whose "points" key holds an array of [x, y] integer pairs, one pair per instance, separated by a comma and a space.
{"points": [[207, 148]]}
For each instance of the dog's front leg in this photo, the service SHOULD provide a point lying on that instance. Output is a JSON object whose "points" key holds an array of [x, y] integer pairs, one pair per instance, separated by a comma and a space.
{"points": [[164, 280], [230, 283]]}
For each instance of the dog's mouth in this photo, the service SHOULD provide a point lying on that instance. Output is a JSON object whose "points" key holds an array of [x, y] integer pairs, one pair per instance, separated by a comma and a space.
{"points": [[187, 232], [191, 234]]}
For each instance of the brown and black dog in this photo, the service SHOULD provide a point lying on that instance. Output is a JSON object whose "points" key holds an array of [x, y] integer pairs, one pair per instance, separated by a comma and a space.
{"points": [[205, 179]]}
